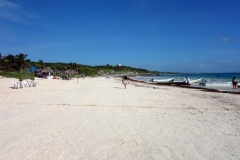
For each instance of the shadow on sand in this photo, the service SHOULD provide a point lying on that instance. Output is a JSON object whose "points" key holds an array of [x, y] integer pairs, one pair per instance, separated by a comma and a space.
{"points": [[118, 88]]}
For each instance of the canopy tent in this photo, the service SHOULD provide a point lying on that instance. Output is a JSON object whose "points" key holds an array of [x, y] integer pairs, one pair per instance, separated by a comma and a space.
{"points": [[32, 68]]}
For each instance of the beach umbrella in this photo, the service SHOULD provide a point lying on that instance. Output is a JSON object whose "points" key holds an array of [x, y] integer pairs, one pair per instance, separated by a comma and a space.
{"points": [[39, 71], [32, 75], [70, 71], [21, 75], [57, 71], [47, 70]]}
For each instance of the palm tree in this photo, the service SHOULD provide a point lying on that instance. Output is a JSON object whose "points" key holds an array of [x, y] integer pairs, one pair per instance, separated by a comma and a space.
{"points": [[9, 62], [32, 75], [72, 66], [39, 64], [21, 61], [20, 75]]}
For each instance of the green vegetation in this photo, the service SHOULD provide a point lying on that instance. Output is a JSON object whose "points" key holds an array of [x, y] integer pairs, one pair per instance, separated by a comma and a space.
{"points": [[32, 75], [11, 64], [21, 75], [15, 74], [14, 63]]}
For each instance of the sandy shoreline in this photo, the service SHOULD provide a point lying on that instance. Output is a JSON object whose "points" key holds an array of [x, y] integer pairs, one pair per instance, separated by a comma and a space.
{"points": [[99, 119]]}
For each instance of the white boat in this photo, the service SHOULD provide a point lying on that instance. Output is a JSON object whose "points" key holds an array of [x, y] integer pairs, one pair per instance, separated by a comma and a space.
{"points": [[194, 80], [163, 80]]}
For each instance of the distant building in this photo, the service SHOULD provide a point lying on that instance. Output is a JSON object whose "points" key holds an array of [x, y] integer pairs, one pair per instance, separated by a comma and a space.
{"points": [[119, 64]]}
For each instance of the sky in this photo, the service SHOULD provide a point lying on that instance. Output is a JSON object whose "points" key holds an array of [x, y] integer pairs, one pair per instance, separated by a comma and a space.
{"points": [[158, 35]]}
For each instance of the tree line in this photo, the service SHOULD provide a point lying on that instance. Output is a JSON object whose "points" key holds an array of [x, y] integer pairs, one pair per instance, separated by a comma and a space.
{"points": [[11, 63]]}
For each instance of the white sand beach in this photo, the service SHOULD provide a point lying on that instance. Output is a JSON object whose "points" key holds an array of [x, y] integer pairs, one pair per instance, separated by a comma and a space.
{"points": [[99, 119]]}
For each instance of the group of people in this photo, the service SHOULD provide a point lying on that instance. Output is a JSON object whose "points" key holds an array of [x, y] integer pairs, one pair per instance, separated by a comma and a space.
{"points": [[234, 83]]}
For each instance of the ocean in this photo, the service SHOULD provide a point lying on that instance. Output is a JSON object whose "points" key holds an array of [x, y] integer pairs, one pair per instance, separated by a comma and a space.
{"points": [[222, 82]]}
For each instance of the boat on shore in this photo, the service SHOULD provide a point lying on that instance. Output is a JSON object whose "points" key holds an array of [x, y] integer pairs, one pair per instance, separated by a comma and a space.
{"points": [[171, 81], [195, 80], [162, 80]]}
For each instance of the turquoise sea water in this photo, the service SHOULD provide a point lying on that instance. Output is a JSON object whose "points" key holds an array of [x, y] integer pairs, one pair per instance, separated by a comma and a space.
{"points": [[220, 83]]}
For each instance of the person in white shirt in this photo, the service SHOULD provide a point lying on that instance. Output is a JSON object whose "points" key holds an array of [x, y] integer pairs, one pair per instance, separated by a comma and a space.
{"points": [[125, 81]]}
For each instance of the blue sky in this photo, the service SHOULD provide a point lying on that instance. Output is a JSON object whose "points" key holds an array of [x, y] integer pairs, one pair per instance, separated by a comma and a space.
{"points": [[158, 35]]}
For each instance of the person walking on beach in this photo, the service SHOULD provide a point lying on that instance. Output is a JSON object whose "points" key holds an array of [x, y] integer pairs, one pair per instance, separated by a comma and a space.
{"points": [[125, 81], [151, 80], [188, 84], [234, 83]]}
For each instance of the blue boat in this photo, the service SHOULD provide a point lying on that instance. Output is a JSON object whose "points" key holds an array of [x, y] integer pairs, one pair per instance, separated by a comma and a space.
{"points": [[224, 76]]}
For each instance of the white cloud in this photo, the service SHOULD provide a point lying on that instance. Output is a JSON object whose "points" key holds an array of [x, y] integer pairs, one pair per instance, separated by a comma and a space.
{"points": [[205, 64], [202, 66], [224, 39], [218, 64], [8, 4], [140, 3], [14, 12], [223, 51], [10, 16]]}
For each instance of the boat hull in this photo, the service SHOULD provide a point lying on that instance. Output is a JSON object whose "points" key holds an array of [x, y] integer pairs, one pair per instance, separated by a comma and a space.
{"points": [[163, 80], [195, 80]]}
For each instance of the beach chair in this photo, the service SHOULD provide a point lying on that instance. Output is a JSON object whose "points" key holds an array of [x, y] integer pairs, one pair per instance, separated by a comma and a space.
{"points": [[30, 84], [16, 85], [22, 84], [27, 84], [35, 83]]}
